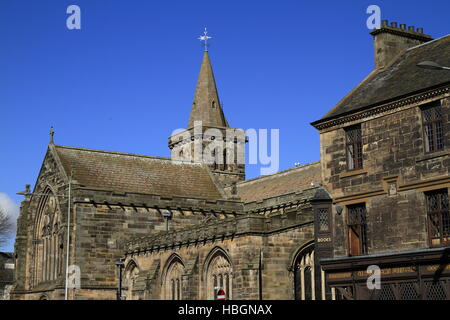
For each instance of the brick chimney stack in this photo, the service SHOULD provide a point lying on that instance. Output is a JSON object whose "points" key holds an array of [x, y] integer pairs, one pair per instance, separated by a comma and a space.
{"points": [[391, 40]]}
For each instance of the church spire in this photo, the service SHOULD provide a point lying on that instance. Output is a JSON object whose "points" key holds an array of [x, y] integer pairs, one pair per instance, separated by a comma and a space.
{"points": [[206, 106]]}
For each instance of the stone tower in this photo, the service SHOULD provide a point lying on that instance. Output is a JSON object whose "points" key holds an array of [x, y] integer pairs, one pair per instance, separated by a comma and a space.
{"points": [[208, 138]]}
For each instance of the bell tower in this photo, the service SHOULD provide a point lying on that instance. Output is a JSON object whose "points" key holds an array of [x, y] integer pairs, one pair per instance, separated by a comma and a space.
{"points": [[208, 138]]}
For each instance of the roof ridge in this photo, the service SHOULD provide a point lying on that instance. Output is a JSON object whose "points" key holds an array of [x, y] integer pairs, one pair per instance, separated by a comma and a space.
{"points": [[278, 173], [113, 152], [431, 41]]}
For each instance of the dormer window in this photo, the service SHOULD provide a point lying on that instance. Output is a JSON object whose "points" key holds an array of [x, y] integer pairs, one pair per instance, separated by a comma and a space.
{"points": [[213, 104]]}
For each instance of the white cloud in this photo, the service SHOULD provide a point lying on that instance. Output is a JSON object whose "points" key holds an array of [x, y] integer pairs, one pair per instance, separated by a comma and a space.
{"points": [[10, 207]]}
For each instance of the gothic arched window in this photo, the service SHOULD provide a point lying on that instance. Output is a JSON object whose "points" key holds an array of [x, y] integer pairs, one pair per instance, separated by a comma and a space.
{"points": [[219, 275], [173, 279], [131, 274], [304, 275], [48, 240]]}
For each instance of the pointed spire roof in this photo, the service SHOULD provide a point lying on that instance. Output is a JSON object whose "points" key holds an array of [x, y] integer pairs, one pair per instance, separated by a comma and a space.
{"points": [[206, 106]]}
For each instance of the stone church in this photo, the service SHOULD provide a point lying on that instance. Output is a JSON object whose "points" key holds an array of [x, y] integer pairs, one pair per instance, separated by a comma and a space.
{"points": [[183, 227]]}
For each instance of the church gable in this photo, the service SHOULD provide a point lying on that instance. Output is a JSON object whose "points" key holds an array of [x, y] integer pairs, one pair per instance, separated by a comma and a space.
{"points": [[45, 218], [52, 172]]}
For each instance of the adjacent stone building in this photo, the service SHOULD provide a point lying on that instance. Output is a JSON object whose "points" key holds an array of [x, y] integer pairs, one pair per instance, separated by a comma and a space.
{"points": [[385, 163], [182, 226], [6, 274]]}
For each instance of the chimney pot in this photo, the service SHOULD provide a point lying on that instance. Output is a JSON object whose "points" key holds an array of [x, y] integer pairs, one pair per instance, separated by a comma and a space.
{"points": [[391, 40]]}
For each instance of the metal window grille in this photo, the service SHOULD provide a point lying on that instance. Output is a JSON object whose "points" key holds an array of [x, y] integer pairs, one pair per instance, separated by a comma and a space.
{"points": [[354, 147], [386, 292], [435, 290], [408, 291]]}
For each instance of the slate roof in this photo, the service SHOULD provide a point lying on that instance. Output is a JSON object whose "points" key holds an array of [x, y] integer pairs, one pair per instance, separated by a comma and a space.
{"points": [[124, 172], [292, 180], [206, 106], [399, 79]]}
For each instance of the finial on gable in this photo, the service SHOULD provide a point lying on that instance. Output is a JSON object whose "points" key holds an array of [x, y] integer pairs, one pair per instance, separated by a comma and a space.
{"points": [[52, 133]]}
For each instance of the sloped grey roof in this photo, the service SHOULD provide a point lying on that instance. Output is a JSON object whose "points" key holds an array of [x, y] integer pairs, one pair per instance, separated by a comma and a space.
{"points": [[206, 107], [401, 78], [292, 180], [124, 172]]}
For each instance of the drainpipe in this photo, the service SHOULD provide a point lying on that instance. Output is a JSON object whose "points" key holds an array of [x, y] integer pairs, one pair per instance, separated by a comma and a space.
{"points": [[260, 273], [68, 238]]}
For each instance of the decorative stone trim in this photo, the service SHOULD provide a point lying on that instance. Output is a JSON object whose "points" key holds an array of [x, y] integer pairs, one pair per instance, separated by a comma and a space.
{"points": [[325, 124], [431, 156], [404, 33], [352, 173], [214, 231]]}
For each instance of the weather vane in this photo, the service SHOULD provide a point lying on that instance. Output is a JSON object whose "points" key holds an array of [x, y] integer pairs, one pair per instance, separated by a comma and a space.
{"points": [[205, 38]]}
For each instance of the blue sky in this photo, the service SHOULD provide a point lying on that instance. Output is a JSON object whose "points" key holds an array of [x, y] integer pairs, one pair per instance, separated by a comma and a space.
{"points": [[126, 80]]}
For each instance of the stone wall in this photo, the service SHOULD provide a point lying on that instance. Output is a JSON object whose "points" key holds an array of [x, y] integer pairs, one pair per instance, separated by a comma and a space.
{"points": [[254, 244], [259, 244], [103, 228], [396, 171]]}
